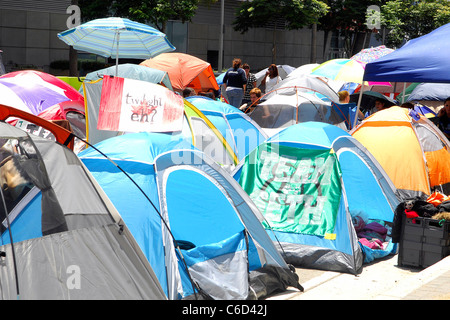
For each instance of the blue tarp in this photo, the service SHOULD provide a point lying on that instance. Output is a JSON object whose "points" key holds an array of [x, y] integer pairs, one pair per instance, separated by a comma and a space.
{"points": [[424, 59]]}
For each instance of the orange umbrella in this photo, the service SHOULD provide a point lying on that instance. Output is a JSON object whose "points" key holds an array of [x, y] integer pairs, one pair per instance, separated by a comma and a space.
{"points": [[184, 71]]}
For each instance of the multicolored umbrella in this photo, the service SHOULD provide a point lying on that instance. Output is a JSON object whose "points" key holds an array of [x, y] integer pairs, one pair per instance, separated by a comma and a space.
{"points": [[346, 70], [371, 54], [34, 91], [117, 37]]}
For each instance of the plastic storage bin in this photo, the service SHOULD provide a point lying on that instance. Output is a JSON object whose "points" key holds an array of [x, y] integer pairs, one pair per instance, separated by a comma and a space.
{"points": [[423, 242]]}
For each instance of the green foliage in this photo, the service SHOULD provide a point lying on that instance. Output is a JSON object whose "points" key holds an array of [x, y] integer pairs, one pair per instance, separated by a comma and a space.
{"points": [[60, 64], [155, 12], [409, 19], [297, 13], [347, 15], [86, 65]]}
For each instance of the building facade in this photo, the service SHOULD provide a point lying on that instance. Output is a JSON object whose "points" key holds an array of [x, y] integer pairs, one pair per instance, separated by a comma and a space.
{"points": [[28, 37]]}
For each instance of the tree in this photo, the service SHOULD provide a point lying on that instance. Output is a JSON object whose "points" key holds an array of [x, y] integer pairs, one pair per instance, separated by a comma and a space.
{"points": [[349, 17], [155, 12], [408, 19], [261, 13], [296, 13]]}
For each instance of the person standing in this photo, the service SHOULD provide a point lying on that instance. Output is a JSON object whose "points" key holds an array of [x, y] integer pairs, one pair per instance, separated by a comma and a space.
{"points": [[444, 118], [272, 78], [251, 83], [235, 82]]}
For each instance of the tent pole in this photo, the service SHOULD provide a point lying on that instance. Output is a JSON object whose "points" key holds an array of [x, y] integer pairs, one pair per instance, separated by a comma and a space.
{"points": [[359, 105], [404, 89]]}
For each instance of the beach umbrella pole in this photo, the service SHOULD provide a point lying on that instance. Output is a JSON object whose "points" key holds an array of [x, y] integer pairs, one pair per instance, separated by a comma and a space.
{"points": [[117, 52]]}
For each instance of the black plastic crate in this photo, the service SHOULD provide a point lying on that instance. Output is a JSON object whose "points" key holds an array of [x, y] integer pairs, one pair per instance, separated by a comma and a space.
{"points": [[410, 247], [423, 242], [436, 241]]}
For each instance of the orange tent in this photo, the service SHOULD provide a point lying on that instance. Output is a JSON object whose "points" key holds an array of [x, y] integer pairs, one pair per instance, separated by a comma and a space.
{"points": [[410, 148], [184, 71]]}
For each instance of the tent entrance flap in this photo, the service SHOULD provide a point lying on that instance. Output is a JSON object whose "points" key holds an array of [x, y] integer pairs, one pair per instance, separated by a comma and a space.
{"points": [[297, 190]]}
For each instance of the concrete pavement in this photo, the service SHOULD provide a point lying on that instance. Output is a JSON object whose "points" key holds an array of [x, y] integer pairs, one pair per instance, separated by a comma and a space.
{"points": [[380, 280]]}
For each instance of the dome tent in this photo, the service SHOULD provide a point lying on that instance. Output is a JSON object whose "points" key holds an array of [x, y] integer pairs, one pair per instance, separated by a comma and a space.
{"points": [[59, 231], [184, 197], [411, 149], [307, 181]]}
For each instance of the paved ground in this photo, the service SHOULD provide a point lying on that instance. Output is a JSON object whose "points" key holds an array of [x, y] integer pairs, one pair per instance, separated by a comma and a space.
{"points": [[380, 280]]}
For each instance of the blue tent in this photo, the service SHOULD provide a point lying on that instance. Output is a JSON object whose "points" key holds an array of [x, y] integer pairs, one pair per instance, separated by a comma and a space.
{"points": [[186, 199], [219, 78], [311, 181], [241, 132], [424, 59]]}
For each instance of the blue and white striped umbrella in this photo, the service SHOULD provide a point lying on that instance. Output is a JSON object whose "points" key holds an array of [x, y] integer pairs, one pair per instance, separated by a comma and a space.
{"points": [[117, 38]]}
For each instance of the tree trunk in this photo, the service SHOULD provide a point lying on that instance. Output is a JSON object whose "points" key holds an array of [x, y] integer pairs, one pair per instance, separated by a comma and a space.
{"points": [[73, 55], [73, 62], [326, 45], [314, 43], [274, 48]]}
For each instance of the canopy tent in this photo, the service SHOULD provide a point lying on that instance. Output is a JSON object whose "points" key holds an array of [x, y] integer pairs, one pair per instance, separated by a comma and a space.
{"points": [[188, 200], [411, 149], [424, 59], [310, 181], [61, 235]]}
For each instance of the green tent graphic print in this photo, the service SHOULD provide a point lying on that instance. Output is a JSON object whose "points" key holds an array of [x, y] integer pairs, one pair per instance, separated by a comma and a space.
{"points": [[297, 190]]}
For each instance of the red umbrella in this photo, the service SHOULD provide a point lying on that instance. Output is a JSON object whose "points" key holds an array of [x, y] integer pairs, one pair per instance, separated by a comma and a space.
{"points": [[34, 91]]}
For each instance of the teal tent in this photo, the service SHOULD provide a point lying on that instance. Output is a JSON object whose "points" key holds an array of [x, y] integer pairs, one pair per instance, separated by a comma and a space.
{"points": [[311, 182]]}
